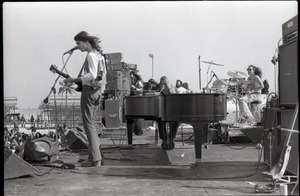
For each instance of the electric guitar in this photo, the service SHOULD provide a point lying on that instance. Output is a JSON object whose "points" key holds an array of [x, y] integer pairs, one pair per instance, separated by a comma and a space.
{"points": [[54, 69]]}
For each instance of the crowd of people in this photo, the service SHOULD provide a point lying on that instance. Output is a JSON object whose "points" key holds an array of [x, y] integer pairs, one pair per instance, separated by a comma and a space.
{"points": [[14, 140]]}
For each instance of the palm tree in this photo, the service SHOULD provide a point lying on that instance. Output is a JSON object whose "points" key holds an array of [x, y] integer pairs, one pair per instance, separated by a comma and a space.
{"points": [[68, 89]]}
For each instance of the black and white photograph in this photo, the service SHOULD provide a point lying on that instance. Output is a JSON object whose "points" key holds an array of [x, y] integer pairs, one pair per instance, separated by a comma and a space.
{"points": [[150, 98]]}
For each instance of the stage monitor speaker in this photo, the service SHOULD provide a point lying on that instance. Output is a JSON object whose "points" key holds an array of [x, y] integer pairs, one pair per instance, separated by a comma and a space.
{"points": [[40, 148], [76, 139], [15, 167], [288, 74]]}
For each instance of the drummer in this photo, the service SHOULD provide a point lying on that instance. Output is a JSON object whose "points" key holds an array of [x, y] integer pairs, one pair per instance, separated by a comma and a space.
{"points": [[254, 84]]}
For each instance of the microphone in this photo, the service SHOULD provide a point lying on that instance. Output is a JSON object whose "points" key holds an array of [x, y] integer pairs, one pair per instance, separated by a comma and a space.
{"points": [[214, 74], [70, 51]]}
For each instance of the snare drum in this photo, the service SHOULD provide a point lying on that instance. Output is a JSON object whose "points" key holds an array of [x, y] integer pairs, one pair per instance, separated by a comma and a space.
{"points": [[219, 86]]}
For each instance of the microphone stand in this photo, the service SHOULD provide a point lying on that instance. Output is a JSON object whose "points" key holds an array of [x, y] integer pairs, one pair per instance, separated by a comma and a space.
{"points": [[55, 106], [210, 81], [208, 71]]}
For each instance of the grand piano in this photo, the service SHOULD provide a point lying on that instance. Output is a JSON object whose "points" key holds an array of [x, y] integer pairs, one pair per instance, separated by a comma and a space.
{"points": [[172, 109]]}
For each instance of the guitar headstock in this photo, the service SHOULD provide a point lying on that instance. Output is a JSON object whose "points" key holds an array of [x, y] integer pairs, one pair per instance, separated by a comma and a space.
{"points": [[53, 68]]}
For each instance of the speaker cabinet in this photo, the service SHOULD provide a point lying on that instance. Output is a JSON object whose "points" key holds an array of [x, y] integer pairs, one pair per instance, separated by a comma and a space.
{"points": [[288, 74], [76, 140], [112, 113], [290, 29], [286, 118], [40, 148]]}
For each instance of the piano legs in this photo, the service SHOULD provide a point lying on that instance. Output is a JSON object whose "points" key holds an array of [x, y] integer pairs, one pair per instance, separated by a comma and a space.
{"points": [[200, 134], [129, 130], [167, 132]]}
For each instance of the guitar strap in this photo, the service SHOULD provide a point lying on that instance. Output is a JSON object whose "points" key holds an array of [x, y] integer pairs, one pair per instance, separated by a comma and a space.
{"points": [[81, 68]]}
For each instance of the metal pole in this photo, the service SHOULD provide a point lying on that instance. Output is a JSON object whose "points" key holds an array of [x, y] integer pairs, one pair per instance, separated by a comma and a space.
{"points": [[152, 66], [199, 73]]}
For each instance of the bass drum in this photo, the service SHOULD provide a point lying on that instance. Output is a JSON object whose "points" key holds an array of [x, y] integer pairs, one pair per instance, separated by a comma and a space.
{"points": [[232, 110]]}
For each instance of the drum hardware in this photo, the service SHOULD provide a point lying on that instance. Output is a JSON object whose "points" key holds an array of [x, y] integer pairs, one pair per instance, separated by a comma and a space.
{"points": [[210, 63], [219, 86]]}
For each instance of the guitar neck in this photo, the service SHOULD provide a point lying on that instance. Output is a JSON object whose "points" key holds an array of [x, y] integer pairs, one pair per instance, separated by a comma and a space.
{"points": [[62, 74]]}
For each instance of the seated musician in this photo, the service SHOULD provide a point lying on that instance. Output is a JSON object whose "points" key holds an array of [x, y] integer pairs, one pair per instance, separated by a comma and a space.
{"points": [[173, 125], [163, 85], [136, 88], [153, 84], [179, 88], [254, 85]]}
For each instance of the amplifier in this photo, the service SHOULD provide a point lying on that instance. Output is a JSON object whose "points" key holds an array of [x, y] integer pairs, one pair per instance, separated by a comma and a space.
{"points": [[121, 66], [290, 29], [117, 55], [112, 113], [114, 61]]}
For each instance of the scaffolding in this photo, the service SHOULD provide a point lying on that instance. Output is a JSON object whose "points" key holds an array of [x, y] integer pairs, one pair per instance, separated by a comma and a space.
{"points": [[68, 112]]}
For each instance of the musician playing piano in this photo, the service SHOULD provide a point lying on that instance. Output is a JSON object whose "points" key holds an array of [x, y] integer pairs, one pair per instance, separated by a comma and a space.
{"points": [[137, 85], [179, 87], [254, 85], [163, 85], [168, 139], [136, 89]]}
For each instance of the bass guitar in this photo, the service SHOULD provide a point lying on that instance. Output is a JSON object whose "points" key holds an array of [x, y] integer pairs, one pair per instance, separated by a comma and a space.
{"points": [[54, 69]]}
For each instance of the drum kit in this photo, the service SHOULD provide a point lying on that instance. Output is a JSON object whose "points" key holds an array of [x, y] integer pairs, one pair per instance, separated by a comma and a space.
{"points": [[234, 89]]}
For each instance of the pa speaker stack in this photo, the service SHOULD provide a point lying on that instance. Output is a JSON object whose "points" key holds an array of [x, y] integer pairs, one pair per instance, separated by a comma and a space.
{"points": [[288, 64], [288, 87]]}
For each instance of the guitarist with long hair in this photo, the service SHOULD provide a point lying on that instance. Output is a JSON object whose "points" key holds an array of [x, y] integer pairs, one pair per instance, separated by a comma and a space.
{"points": [[93, 81]]}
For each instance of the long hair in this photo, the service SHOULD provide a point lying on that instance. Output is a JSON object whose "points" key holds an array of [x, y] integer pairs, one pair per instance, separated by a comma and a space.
{"points": [[136, 75], [93, 40], [257, 71]]}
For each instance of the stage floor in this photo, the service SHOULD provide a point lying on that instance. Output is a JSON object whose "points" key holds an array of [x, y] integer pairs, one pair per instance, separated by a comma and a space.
{"points": [[145, 169]]}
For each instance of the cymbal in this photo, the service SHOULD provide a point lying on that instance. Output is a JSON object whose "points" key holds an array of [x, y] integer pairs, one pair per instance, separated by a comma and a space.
{"points": [[237, 74], [210, 62]]}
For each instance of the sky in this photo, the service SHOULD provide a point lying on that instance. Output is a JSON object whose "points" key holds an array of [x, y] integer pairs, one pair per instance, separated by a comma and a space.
{"points": [[231, 33]]}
